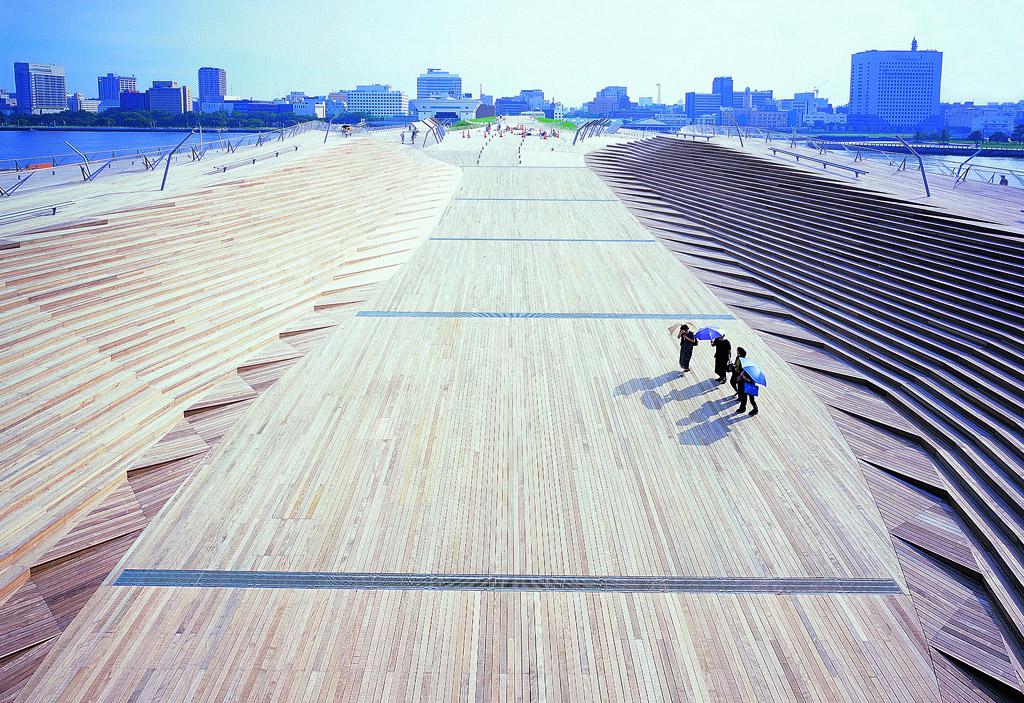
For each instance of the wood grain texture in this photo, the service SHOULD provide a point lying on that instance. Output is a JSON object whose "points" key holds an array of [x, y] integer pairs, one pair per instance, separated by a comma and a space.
{"points": [[871, 297], [98, 522], [509, 445]]}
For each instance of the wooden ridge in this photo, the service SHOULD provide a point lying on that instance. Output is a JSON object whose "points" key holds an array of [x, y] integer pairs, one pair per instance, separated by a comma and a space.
{"points": [[133, 342], [910, 335]]}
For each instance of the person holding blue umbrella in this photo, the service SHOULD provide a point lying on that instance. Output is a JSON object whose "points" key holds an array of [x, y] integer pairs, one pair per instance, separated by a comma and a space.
{"points": [[749, 378], [737, 370]]}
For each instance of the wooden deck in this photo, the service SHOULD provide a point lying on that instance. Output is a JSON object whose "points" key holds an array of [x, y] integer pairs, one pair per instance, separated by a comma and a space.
{"points": [[135, 337], [508, 403], [856, 289]]}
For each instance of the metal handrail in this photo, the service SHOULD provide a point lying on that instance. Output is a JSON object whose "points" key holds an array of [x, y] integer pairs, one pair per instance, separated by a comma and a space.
{"points": [[933, 164], [148, 159], [825, 163], [8, 218], [26, 162]]}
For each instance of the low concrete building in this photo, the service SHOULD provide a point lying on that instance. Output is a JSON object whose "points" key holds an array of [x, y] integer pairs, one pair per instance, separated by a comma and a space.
{"points": [[134, 101], [169, 97], [444, 108], [79, 103], [315, 106], [8, 103], [377, 101]]}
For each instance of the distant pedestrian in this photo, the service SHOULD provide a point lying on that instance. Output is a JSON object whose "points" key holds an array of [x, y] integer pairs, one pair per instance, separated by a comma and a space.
{"points": [[737, 371], [1003, 181], [747, 391], [403, 136], [687, 341], [723, 352]]}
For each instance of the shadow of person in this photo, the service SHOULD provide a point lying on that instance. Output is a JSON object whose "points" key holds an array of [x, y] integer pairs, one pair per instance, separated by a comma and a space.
{"points": [[705, 426], [652, 400], [635, 385]]}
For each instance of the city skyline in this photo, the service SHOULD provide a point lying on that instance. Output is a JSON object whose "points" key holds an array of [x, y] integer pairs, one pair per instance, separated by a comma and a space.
{"points": [[395, 47]]}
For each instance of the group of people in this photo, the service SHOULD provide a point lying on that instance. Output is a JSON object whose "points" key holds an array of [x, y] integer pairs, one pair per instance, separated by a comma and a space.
{"points": [[725, 366], [412, 134]]}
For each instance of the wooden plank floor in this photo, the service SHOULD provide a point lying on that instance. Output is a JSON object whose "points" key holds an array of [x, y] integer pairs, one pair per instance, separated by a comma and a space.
{"points": [[519, 446]]}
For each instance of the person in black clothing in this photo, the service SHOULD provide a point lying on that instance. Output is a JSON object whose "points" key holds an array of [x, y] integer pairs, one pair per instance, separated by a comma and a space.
{"points": [[737, 371], [687, 341], [744, 379], [723, 352]]}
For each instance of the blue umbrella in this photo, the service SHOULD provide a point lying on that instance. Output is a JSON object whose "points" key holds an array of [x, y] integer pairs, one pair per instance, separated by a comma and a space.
{"points": [[754, 371], [709, 333]]}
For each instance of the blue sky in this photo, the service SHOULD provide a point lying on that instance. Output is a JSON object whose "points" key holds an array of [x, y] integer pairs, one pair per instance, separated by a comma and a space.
{"points": [[569, 49]]}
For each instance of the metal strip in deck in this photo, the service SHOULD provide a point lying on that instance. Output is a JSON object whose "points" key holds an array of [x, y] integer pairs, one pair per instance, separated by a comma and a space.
{"points": [[548, 315], [569, 240], [334, 580], [547, 200], [510, 167]]}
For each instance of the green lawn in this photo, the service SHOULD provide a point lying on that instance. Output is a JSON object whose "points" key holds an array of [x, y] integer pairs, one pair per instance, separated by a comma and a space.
{"points": [[473, 123], [560, 124]]}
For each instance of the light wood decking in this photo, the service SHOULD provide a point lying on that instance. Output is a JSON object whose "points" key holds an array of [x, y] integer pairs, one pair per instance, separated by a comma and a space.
{"points": [[514, 445]]}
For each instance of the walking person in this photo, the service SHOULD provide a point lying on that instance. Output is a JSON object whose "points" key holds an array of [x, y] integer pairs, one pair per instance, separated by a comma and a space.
{"points": [[747, 390], [687, 341], [737, 371], [723, 352]]}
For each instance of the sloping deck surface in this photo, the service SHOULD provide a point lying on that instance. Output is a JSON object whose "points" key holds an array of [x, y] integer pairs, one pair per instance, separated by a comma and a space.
{"points": [[134, 336], [508, 405], [905, 320]]}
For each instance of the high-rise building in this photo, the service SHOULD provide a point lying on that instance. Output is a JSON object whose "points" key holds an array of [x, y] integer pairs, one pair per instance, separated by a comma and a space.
{"points": [[894, 89], [168, 96], [111, 86], [378, 101], [722, 87], [40, 87], [213, 84], [438, 83]]}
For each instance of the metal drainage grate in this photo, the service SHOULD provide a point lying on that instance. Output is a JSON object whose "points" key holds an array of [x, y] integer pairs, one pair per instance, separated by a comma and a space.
{"points": [[496, 582]]}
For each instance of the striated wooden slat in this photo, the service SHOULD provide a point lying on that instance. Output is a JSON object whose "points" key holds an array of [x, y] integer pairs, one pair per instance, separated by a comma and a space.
{"points": [[25, 620], [16, 669], [231, 390]]}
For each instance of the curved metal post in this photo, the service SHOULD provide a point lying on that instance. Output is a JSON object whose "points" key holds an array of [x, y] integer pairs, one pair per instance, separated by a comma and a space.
{"points": [[328, 133], [167, 166], [964, 163], [738, 133], [920, 161], [86, 169]]}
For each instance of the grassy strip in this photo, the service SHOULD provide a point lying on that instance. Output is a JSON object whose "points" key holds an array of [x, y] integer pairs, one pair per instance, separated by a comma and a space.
{"points": [[473, 123], [560, 124]]}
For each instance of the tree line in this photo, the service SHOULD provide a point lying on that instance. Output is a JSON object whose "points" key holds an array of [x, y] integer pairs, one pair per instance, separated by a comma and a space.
{"points": [[976, 136], [145, 118]]}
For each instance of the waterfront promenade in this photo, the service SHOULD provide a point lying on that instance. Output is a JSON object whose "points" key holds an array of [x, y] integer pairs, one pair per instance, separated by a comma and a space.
{"points": [[506, 404]]}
